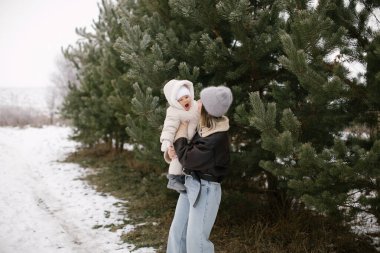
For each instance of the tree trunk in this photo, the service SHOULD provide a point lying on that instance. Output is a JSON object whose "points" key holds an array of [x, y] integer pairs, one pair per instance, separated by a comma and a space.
{"points": [[277, 198]]}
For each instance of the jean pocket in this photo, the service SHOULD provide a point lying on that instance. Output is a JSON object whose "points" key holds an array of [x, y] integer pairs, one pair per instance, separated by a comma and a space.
{"points": [[192, 187]]}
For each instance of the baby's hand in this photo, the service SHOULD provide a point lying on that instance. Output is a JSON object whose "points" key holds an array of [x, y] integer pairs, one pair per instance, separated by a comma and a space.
{"points": [[165, 145]]}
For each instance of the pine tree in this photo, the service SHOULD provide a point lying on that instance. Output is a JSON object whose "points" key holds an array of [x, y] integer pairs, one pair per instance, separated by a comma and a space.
{"points": [[209, 43], [144, 125], [151, 51], [293, 55], [95, 105], [373, 82], [313, 162], [329, 181], [280, 49]]}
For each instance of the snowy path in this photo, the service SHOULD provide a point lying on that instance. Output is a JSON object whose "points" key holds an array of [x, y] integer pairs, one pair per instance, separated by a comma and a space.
{"points": [[44, 208]]}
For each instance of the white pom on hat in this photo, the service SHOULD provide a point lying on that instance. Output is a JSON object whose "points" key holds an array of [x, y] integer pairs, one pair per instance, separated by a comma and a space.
{"points": [[216, 100], [182, 91]]}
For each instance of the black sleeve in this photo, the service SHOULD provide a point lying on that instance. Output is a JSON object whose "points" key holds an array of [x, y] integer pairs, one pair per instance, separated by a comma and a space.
{"points": [[197, 155]]}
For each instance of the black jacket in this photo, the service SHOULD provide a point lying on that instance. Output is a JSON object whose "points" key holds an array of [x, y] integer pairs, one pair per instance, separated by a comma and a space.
{"points": [[205, 155]]}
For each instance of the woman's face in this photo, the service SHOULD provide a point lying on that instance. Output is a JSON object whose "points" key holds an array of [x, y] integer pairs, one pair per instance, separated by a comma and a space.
{"points": [[199, 105]]}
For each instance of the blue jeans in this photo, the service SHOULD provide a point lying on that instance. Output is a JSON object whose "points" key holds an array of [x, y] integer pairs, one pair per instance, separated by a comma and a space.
{"points": [[191, 226]]}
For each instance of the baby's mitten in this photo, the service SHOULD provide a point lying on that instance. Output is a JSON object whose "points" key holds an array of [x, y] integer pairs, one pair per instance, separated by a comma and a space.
{"points": [[165, 145]]}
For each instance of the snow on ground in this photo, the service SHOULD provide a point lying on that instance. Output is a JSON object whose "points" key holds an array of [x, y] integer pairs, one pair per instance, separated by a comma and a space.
{"points": [[44, 206]]}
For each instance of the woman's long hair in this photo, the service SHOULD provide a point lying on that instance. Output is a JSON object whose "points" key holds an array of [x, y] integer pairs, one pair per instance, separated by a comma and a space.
{"points": [[206, 119]]}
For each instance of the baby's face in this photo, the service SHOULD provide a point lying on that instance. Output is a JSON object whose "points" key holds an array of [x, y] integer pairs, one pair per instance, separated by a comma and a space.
{"points": [[185, 101]]}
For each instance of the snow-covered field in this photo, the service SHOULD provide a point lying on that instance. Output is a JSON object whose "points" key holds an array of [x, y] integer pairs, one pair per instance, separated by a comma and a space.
{"points": [[44, 206]]}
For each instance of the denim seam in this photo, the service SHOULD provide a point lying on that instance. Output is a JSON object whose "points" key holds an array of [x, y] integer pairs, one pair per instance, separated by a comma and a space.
{"points": [[181, 241], [204, 216]]}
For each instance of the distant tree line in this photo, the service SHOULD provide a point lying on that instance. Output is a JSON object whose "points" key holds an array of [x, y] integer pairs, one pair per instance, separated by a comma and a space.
{"points": [[296, 103]]}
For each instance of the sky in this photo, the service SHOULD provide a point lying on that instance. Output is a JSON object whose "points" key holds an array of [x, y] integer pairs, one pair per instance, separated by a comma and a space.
{"points": [[32, 33]]}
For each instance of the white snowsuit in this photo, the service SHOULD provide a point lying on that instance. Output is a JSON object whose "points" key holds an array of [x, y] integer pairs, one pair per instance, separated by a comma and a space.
{"points": [[175, 114]]}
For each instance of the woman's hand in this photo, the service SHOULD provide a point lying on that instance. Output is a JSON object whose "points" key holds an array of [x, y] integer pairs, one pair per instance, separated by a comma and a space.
{"points": [[171, 152]]}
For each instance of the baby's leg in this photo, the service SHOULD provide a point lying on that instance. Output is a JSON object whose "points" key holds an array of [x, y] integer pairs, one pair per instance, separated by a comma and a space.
{"points": [[175, 167], [175, 176]]}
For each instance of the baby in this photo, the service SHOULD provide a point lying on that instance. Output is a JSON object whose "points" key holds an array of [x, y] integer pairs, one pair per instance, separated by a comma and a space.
{"points": [[182, 107]]}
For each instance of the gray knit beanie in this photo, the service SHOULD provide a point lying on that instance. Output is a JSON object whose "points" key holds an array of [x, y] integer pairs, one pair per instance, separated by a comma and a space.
{"points": [[216, 100]]}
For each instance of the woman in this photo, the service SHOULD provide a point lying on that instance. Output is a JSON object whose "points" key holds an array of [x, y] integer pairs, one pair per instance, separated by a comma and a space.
{"points": [[205, 161]]}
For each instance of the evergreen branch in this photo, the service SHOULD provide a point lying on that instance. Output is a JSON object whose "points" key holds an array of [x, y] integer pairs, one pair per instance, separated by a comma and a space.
{"points": [[331, 66], [363, 41], [370, 9], [356, 208]]}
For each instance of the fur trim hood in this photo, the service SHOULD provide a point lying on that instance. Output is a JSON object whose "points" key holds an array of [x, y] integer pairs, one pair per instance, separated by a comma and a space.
{"points": [[172, 87]]}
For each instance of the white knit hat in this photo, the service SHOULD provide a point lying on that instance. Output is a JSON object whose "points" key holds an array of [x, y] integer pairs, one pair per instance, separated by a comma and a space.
{"points": [[182, 91], [216, 100]]}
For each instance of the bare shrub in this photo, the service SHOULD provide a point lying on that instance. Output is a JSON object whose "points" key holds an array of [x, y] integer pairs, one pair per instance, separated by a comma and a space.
{"points": [[18, 116], [64, 75]]}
